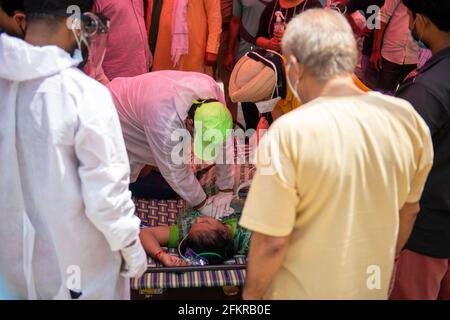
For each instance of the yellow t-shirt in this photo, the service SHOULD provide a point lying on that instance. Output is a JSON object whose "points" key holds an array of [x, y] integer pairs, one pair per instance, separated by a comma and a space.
{"points": [[333, 175], [287, 105]]}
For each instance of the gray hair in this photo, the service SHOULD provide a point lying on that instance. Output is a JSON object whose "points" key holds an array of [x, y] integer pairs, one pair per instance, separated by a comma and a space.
{"points": [[323, 42]]}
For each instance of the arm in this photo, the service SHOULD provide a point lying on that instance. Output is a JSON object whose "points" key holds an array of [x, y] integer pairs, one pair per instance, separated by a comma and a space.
{"points": [[233, 34], [356, 29], [263, 39], [152, 239], [263, 249], [99, 76], [104, 170], [352, 7], [270, 44], [178, 174], [385, 15], [375, 59], [408, 214], [214, 16], [225, 170]]}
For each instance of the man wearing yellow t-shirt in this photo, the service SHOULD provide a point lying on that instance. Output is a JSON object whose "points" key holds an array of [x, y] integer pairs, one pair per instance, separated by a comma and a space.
{"points": [[338, 181]]}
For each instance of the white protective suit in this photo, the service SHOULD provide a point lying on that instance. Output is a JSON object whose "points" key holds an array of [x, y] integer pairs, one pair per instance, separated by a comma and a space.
{"points": [[151, 108], [65, 208]]}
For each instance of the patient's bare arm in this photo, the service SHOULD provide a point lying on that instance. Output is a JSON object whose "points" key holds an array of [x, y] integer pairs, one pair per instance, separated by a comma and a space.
{"points": [[152, 239]]}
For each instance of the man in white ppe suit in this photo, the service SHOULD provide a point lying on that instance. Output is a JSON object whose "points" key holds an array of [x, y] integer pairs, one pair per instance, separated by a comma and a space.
{"points": [[68, 228], [153, 108]]}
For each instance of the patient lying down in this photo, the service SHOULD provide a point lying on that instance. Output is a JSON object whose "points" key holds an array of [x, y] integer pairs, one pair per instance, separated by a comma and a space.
{"points": [[215, 240]]}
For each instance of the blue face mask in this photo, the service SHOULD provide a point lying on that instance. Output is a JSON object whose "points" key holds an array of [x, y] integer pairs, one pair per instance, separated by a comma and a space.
{"points": [[77, 55]]}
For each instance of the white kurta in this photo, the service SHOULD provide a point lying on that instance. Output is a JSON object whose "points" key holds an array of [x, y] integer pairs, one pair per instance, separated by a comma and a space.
{"points": [[65, 208], [151, 108]]}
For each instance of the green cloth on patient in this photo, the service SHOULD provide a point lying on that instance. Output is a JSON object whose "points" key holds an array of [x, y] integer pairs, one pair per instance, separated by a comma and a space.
{"points": [[241, 236]]}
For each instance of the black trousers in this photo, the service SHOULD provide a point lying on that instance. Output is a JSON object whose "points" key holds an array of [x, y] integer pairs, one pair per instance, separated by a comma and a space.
{"points": [[153, 186], [392, 74]]}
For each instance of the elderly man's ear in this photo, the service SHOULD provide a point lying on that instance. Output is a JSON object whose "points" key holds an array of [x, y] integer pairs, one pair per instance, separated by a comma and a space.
{"points": [[294, 67]]}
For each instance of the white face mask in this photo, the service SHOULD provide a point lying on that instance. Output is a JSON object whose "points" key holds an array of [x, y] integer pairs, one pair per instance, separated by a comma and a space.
{"points": [[267, 106], [293, 87]]}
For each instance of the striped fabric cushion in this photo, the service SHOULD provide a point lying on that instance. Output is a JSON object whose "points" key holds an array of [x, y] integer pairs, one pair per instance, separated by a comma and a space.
{"points": [[191, 279]]}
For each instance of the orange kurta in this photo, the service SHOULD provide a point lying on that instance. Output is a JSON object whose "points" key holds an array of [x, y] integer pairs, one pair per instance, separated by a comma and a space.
{"points": [[204, 25]]}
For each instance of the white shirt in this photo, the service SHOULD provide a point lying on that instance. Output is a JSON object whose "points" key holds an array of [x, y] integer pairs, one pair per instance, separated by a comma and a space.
{"points": [[151, 108], [65, 207], [398, 44]]}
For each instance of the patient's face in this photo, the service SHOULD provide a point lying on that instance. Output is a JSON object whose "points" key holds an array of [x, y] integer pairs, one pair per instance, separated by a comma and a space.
{"points": [[207, 224]]}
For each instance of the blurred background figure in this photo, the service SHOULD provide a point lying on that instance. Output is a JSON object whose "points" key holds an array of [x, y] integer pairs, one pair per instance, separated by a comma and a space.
{"points": [[370, 11], [128, 53], [221, 73], [242, 39], [269, 34], [12, 18], [395, 53], [187, 34], [243, 29]]}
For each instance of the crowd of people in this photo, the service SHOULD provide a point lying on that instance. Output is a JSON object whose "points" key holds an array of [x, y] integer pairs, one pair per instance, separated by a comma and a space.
{"points": [[349, 101]]}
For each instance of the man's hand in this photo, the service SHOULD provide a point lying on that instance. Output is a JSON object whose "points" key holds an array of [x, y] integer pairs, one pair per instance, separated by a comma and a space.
{"points": [[408, 214], [207, 208], [375, 60], [229, 61], [171, 261], [221, 204], [210, 59], [135, 260]]}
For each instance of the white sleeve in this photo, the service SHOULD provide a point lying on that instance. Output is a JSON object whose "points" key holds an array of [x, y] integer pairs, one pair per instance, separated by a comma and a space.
{"points": [[178, 174], [104, 169], [225, 169]]}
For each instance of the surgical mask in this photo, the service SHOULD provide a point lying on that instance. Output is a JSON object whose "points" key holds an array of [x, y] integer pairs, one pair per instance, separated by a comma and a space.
{"points": [[267, 106], [77, 55], [416, 37], [91, 41], [294, 86]]}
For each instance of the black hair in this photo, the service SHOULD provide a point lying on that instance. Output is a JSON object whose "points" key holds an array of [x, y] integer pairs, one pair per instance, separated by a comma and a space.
{"points": [[10, 6], [54, 9], [438, 11], [214, 241], [196, 105]]}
